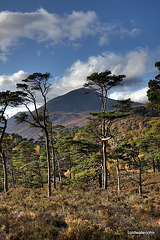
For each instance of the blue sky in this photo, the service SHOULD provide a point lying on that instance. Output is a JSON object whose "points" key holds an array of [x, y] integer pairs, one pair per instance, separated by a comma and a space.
{"points": [[73, 38]]}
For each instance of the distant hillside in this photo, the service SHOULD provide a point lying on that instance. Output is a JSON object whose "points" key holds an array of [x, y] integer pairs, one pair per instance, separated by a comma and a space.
{"points": [[70, 110], [77, 101]]}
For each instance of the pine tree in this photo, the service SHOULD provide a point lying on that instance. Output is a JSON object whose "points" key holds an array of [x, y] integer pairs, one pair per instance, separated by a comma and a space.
{"points": [[101, 83], [37, 82], [153, 92], [7, 99]]}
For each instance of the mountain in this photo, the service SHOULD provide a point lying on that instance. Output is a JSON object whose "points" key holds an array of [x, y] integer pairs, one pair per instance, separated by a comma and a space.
{"points": [[77, 101], [70, 110]]}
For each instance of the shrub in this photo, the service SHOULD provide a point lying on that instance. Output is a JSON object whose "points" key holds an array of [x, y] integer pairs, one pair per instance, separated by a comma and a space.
{"points": [[82, 230]]}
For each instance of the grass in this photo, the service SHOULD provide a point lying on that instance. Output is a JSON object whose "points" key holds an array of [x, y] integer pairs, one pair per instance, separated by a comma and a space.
{"points": [[82, 212]]}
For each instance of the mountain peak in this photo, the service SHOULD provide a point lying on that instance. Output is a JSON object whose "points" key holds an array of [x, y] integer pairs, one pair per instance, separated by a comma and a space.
{"points": [[70, 110], [77, 101]]}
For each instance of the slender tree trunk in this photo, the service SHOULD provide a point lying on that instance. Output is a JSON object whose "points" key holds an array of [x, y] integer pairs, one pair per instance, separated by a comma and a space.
{"points": [[70, 168], [4, 169], [100, 179], [158, 165], [12, 174], [118, 176], [132, 170], [40, 175], [48, 164], [41, 178], [59, 172], [105, 170], [7, 224], [39, 169], [4, 160], [153, 165], [53, 165], [25, 180], [140, 178]]}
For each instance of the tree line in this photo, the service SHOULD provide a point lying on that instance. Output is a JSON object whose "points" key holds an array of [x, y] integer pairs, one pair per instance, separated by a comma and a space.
{"points": [[87, 154]]}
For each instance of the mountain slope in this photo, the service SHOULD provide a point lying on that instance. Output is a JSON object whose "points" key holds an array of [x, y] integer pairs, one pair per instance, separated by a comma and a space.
{"points": [[70, 110], [77, 101]]}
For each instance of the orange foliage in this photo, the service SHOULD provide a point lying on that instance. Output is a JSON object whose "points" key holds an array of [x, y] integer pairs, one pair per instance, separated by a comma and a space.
{"points": [[37, 149]]}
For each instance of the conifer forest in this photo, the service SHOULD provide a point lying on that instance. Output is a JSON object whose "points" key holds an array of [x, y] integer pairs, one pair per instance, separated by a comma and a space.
{"points": [[99, 181]]}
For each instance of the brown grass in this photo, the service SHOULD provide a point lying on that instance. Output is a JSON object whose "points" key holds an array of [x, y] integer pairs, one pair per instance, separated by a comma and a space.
{"points": [[82, 212]]}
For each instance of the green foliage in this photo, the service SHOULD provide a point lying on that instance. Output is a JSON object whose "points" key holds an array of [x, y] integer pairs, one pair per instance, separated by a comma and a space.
{"points": [[26, 165], [151, 141], [101, 83], [104, 78], [147, 110], [79, 209], [21, 117], [12, 99], [37, 82], [123, 105], [154, 87]]}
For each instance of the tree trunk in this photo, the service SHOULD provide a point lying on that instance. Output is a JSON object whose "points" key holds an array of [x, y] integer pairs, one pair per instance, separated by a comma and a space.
{"points": [[4, 169], [12, 174], [40, 175], [25, 180], [100, 179], [118, 176], [158, 165], [140, 178], [4, 160], [105, 170], [59, 172], [53, 164], [153, 165], [48, 164], [41, 178], [70, 168]]}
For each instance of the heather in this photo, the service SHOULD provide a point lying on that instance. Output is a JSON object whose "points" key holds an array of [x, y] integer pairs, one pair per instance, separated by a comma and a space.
{"points": [[81, 211]]}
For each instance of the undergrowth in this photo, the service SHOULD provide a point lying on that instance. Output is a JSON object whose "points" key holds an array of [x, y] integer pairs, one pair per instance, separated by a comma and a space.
{"points": [[82, 212]]}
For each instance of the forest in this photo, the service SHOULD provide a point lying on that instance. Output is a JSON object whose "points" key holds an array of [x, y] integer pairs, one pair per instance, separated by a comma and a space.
{"points": [[100, 181]]}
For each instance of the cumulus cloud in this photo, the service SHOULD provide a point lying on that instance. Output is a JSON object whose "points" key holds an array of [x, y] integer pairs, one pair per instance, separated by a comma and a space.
{"points": [[137, 96], [12, 111], [43, 26], [8, 82], [133, 65]]}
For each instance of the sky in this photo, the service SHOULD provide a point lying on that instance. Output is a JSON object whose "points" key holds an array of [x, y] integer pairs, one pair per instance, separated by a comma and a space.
{"points": [[74, 38]]}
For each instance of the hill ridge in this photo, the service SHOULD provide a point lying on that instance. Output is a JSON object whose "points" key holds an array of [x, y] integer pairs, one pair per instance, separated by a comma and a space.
{"points": [[70, 110]]}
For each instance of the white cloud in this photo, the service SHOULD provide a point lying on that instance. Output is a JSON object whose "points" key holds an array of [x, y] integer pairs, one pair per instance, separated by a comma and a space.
{"points": [[133, 65], [137, 96], [8, 82], [12, 111], [43, 26]]}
